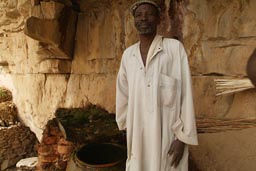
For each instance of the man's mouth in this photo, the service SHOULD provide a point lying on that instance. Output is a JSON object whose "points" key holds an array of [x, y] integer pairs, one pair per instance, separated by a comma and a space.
{"points": [[144, 25]]}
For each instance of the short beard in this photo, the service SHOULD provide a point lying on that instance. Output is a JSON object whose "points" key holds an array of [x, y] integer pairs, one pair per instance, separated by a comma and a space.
{"points": [[146, 31]]}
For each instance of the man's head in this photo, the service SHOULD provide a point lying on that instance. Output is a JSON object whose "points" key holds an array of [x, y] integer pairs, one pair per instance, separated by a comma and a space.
{"points": [[146, 16], [140, 2]]}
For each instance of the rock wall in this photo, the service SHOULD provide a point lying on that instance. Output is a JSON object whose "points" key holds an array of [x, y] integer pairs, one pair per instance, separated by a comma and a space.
{"points": [[219, 37], [41, 82]]}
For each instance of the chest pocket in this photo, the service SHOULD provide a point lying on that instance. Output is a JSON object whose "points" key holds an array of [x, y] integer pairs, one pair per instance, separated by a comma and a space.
{"points": [[168, 88]]}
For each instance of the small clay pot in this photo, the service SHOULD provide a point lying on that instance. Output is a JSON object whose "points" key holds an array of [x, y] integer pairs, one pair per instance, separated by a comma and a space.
{"points": [[98, 157], [251, 68]]}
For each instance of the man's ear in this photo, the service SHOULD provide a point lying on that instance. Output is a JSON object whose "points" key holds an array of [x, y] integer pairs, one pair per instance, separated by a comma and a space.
{"points": [[161, 18]]}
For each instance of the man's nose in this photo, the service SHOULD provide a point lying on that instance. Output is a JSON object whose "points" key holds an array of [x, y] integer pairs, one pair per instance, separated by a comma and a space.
{"points": [[144, 17]]}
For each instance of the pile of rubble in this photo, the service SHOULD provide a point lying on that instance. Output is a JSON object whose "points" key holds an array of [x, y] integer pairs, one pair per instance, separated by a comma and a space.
{"points": [[16, 140], [53, 151]]}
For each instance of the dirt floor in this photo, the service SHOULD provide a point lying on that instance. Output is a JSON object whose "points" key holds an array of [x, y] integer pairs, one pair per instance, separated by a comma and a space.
{"points": [[225, 151]]}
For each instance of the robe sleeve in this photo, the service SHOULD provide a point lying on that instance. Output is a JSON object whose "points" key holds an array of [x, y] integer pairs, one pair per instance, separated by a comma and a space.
{"points": [[185, 127], [121, 96]]}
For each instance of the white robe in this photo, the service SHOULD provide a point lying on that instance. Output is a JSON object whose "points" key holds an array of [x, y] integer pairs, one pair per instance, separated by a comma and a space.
{"points": [[154, 104]]}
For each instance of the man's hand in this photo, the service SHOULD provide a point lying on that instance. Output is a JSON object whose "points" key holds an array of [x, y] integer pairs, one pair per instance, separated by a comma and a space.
{"points": [[176, 150]]}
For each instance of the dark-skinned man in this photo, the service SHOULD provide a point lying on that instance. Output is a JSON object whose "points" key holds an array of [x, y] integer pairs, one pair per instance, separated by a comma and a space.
{"points": [[154, 98]]}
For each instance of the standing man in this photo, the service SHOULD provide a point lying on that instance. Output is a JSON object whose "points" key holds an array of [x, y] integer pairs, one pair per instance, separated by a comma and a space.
{"points": [[153, 97]]}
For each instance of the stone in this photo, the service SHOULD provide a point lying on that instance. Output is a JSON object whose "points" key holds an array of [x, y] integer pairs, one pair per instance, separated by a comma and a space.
{"points": [[55, 66], [48, 159], [45, 150], [46, 31], [98, 90], [223, 44], [12, 146], [23, 6], [8, 113], [217, 56], [19, 150], [57, 33], [51, 9], [5, 164], [55, 131], [36, 11], [62, 141], [16, 144], [50, 140], [62, 165], [12, 155], [95, 31], [27, 163], [64, 149], [35, 2]]}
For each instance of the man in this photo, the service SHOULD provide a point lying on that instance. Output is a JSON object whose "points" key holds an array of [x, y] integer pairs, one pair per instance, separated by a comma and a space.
{"points": [[153, 97]]}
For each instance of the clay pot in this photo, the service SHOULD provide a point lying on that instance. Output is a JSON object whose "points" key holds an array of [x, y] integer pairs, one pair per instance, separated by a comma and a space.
{"points": [[99, 157], [251, 68]]}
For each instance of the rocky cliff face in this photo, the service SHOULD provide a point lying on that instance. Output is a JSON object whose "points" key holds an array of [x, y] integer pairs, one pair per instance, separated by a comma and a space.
{"points": [[42, 81], [219, 37]]}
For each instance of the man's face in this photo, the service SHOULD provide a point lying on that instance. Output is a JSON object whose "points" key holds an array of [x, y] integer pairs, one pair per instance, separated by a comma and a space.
{"points": [[146, 19]]}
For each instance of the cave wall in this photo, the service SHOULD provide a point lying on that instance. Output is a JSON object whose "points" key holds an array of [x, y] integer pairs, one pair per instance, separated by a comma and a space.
{"points": [[41, 82], [218, 35]]}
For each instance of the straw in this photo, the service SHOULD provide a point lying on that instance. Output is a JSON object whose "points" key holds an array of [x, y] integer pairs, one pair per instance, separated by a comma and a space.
{"points": [[232, 85], [210, 125]]}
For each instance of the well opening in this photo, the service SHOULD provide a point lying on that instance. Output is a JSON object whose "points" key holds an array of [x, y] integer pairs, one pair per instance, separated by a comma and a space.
{"points": [[101, 154]]}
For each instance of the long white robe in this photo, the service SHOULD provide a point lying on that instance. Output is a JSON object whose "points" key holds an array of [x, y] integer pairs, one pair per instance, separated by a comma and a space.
{"points": [[154, 104]]}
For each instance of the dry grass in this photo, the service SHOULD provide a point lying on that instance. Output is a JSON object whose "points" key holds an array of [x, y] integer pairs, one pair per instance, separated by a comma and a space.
{"points": [[232, 85], [5, 95], [209, 125]]}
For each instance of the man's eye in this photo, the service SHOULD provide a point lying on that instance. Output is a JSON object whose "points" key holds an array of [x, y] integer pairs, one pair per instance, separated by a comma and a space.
{"points": [[137, 15], [151, 14]]}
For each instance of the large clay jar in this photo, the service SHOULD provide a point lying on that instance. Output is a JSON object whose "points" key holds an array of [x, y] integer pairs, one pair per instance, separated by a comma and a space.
{"points": [[251, 68], [98, 157]]}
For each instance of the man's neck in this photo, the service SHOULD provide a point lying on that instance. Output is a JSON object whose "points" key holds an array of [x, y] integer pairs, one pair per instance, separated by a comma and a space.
{"points": [[146, 40]]}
